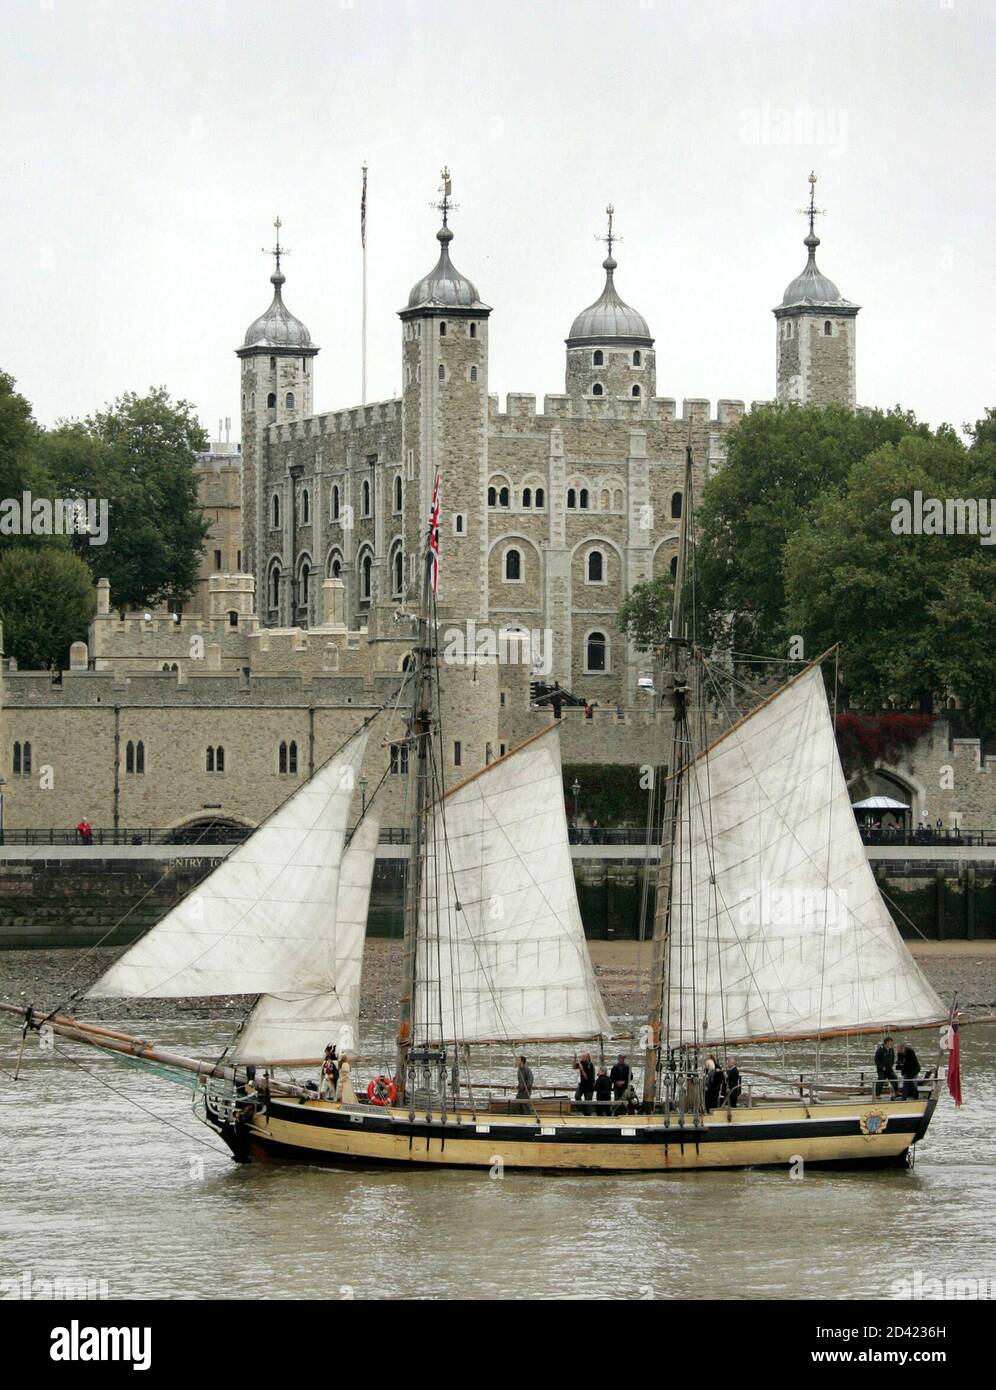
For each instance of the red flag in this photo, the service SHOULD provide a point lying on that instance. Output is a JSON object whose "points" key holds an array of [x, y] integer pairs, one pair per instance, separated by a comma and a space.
{"points": [[434, 534], [954, 1064], [363, 210]]}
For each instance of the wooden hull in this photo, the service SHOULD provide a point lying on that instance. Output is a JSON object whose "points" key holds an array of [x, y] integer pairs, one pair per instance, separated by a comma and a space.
{"points": [[868, 1132]]}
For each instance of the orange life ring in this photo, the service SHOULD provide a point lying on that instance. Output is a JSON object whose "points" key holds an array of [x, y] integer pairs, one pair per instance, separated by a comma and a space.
{"points": [[382, 1091]]}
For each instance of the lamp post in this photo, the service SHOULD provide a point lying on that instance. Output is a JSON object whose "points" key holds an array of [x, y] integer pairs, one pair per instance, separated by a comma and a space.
{"points": [[575, 788], [363, 796]]}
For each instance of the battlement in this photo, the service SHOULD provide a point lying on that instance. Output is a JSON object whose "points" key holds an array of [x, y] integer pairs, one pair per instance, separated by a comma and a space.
{"points": [[521, 405], [351, 420]]}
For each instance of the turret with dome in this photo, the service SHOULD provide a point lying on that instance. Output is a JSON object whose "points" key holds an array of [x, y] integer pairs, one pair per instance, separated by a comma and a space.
{"points": [[816, 329], [609, 348]]}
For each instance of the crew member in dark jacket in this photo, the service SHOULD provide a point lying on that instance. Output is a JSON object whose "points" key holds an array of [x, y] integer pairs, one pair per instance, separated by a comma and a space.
{"points": [[585, 1068], [621, 1077], [733, 1082], [885, 1059], [603, 1092], [909, 1070], [524, 1079]]}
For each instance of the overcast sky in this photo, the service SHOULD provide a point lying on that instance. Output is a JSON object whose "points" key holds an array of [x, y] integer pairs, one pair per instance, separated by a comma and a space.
{"points": [[147, 147]]}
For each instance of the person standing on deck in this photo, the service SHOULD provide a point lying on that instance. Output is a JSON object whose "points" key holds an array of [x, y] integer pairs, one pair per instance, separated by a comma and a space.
{"points": [[603, 1092], [621, 1077], [733, 1082], [524, 1078], [885, 1058], [585, 1068], [909, 1069], [712, 1082]]}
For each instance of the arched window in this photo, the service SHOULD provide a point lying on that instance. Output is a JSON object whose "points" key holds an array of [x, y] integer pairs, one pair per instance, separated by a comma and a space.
{"points": [[366, 498], [617, 499], [289, 400], [399, 571], [827, 329], [676, 505], [397, 493], [335, 502], [292, 757], [252, 401], [458, 523], [233, 618], [598, 358], [442, 328], [273, 364], [596, 652], [129, 756], [596, 567], [492, 497], [572, 498], [513, 565], [275, 513], [441, 371], [473, 330], [598, 389], [674, 567], [271, 401], [635, 391], [637, 358], [282, 757], [305, 584], [540, 497], [605, 500], [219, 759], [583, 499], [527, 497], [367, 576], [305, 507], [275, 587], [473, 373], [209, 760], [139, 757], [503, 497]]}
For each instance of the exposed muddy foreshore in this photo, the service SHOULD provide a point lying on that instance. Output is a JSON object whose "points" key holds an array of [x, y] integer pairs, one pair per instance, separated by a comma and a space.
{"points": [[47, 979]]}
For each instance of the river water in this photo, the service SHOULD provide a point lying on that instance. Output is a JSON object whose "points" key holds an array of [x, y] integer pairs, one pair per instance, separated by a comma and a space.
{"points": [[94, 1186]]}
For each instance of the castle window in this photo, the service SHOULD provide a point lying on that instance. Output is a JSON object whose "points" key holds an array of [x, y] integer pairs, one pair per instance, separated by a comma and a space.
{"points": [[305, 584], [399, 571], [411, 464], [596, 652], [243, 400], [503, 496], [399, 759], [572, 498], [275, 513], [238, 561], [596, 567], [457, 753], [366, 571], [217, 559], [598, 358], [275, 587], [674, 567], [441, 372], [635, 391], [140, 758], [617, 500], [282, 758], [397, 493], [458, 528], [473, 330], [473, 373], [637, 358], [583, 499], [675, 505], [366, 498], [305, 508], [492, 497], [442, 328], [233, 618], [289, 400], [598, 389], [273, 364], [214, 759], [271, 401], [130, 757], [605, 500], [22, 759], [304, 366], [287, 757], [527, 497], [292, 757], [827, 329], [252, 401], [513, 566], [540, 497], [335, 503], [135, 758]]}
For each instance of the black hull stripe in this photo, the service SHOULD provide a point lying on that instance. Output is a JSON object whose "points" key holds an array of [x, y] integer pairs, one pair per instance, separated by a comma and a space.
{"points": [[688, 1136]]}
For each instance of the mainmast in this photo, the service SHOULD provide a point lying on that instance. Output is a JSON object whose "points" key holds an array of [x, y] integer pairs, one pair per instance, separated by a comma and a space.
{"points": [[676, 690], [418, 742]]}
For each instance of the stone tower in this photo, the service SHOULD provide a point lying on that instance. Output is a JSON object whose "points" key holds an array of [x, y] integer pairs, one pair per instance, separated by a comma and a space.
{"points": [[610, 353], [277, 375], [815, 333], [445, 426]]}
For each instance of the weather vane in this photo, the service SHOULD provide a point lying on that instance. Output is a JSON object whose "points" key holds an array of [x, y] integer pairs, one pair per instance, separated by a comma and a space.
{"points": [[446, 204], [277, 251], [610, 237], [812, 212]]}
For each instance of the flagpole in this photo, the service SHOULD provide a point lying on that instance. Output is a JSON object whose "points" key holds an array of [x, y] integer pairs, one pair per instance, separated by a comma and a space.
{"points": [[363, 239]]}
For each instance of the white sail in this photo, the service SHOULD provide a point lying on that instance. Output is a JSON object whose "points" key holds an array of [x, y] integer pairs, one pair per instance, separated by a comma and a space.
{"points": [[260, 922], [299, 1024], [510, 958], [792, 936]]}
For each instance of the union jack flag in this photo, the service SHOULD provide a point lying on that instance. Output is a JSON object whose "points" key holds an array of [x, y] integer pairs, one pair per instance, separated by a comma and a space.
{"points": [[434, 534], [363, 210]]}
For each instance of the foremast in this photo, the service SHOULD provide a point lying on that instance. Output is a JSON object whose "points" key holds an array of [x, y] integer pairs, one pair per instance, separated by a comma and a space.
{"points": [[675, 689]]}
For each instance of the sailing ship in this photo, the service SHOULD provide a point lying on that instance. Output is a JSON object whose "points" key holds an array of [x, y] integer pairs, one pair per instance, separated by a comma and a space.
{"points": [[769, 929]]}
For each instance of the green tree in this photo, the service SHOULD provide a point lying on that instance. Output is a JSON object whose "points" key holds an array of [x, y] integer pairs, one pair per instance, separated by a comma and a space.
{"points": [[21, 469], [138, 455], [782, 463], [915, 614], [645, 614], [47, 599]]}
